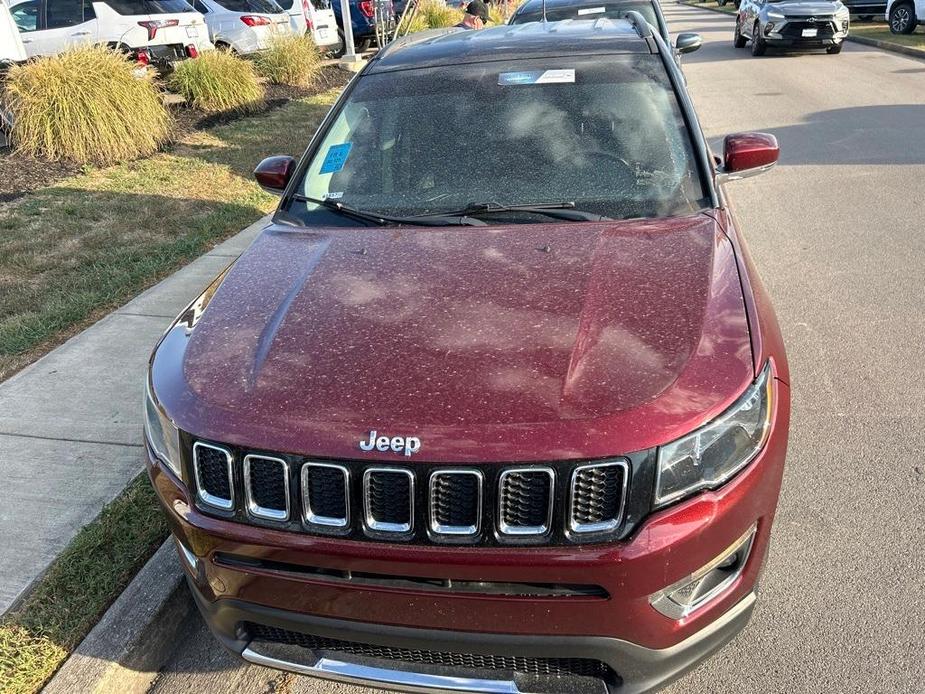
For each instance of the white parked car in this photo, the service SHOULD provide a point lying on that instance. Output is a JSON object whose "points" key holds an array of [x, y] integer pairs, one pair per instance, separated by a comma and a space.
{"points": [[905, 15], [243, 26], [11, 47], [155, 31], [317, 19]]}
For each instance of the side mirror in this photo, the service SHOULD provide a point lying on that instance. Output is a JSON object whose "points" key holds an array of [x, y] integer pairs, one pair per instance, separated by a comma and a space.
{"points": [[747, 154], [688, 42], [273, 173]]}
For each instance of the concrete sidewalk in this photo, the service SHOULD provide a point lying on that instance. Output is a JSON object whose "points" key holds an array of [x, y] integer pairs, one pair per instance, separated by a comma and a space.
{"points": [[70, 424]]}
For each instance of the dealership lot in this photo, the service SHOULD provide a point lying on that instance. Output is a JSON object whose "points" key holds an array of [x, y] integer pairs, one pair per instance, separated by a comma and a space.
{"points": [[836, 231]]}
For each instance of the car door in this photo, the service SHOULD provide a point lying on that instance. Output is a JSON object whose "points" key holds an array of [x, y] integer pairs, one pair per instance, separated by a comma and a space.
{"points": [[64, 24], [28, 17]]}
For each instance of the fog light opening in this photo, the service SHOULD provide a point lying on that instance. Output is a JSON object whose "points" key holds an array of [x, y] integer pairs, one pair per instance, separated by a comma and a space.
{"points": [[708, 583]]}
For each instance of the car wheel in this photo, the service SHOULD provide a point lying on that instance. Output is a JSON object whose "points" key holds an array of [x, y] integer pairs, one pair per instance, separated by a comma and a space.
{"points": [[759, 45], [834, 50], [738, 40], [902, 18]]}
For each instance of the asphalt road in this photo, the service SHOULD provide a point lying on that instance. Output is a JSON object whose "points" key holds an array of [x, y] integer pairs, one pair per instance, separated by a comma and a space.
{"points": [[838, 232]]}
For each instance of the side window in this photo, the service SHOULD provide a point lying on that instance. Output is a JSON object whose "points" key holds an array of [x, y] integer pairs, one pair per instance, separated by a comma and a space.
{"points": [[26, 16], [200, 7], [63, 13]]}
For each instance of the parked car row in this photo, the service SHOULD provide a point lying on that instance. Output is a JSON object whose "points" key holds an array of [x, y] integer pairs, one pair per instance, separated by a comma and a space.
{"points": [[157, 31]]}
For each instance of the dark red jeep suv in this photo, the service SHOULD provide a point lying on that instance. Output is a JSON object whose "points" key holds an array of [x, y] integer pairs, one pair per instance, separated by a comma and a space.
{"points": [[496, 403]]}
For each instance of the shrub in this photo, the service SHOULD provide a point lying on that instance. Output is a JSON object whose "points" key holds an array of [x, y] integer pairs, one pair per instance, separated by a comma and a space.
{"points": [[292, 60], [499, 14], [437, 14], [218, 81], [87, 106]]}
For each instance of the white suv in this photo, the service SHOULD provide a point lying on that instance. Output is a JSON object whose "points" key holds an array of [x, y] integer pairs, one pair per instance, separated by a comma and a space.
{"points": [[156, 31], [243, 26], [905, 15]]}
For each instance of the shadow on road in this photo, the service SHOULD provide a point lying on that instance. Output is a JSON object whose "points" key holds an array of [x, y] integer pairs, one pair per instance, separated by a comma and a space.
{"points": [[887, 135]]}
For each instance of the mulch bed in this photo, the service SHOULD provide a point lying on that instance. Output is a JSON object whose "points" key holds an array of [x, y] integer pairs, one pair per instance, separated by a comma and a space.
{"points": [[20, 175]]}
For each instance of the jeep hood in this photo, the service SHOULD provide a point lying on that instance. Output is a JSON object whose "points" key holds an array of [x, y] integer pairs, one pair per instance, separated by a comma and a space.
{"points": [[521, 342]]}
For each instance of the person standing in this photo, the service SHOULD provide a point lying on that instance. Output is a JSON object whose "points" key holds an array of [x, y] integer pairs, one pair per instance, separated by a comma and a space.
{"points": [[475, 17]]}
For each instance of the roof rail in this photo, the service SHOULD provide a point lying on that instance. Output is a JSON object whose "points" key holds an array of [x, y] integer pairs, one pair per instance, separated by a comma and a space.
{"points": [[642, 27]]}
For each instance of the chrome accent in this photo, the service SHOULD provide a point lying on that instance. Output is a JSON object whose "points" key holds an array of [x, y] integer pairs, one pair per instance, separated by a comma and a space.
{"points": [[724, 177], [603, 525], [201, 494], [308, 515], [255, 509], [662, 601], [191, 560], [526, 530], [435, 527], [416, 682], [379, 526]]}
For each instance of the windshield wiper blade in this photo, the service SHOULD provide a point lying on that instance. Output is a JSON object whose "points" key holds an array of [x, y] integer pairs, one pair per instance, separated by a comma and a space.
{"points": [[557, 210], [386, 220]]}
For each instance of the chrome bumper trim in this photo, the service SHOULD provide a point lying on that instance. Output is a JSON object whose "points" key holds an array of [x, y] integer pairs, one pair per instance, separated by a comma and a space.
{"points": [[364, 675]]}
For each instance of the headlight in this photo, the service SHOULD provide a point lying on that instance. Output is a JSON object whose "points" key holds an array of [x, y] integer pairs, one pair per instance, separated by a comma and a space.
{"points": [[714, 453], [162, 435]]}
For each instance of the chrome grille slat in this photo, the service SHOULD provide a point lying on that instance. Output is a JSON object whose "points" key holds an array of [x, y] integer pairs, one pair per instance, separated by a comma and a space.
{"points": [[525, 500], [326, 494], [214, 481], [597, 496], [266, 487], [388, 499], [456, 501]]}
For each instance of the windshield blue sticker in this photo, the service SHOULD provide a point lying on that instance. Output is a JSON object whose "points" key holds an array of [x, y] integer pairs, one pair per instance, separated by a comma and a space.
{"points": [[536, 77], [336, 157]]}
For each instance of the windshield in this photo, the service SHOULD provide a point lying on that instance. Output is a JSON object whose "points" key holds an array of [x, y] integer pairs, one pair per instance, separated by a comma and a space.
{"points": [[606, 135], [611, 10]]}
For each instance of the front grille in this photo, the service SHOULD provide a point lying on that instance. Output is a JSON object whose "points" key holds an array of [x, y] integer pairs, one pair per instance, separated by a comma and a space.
{"points": [[489, 504], [500, 664], [266, 486], [597, 496], [212, 467], [455, 502], [388, 495], [525, 501], [326, 494], [794, 29]]}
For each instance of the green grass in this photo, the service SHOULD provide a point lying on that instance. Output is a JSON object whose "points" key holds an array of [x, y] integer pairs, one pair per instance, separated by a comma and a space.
{"points": [[881, 31], [79, 586], [72, 252]]}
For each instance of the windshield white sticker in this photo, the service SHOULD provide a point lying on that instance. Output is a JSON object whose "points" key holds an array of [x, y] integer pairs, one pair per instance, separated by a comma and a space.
{"points": [[333, 196], [591, 10], [537, 77], [336, 157]]}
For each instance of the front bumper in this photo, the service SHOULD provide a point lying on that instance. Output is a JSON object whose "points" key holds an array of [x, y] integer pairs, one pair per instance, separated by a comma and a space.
{"points": [[296, 581], [641, 669]]}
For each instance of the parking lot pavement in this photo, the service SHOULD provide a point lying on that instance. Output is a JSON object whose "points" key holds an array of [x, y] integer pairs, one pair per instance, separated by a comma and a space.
{"points": [[836, 231]]}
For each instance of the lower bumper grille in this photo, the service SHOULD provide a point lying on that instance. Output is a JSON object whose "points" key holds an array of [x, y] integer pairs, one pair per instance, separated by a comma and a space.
{"points": [[500, 665], [794, 29]]}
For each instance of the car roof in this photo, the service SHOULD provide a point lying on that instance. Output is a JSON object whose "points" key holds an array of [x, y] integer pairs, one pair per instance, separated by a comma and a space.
{"points": [[445, 47]]}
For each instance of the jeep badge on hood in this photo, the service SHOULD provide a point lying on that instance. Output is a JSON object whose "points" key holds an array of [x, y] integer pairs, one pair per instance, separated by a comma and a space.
{"points": [[407, 444]]}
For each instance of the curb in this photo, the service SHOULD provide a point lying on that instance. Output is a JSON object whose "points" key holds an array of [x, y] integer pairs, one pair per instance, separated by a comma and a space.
{"points": [[887, 46], [876, 43], [125, 651]]}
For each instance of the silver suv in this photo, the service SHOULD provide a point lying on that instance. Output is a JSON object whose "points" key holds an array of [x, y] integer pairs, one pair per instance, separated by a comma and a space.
{"points": [[791, 24]]}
